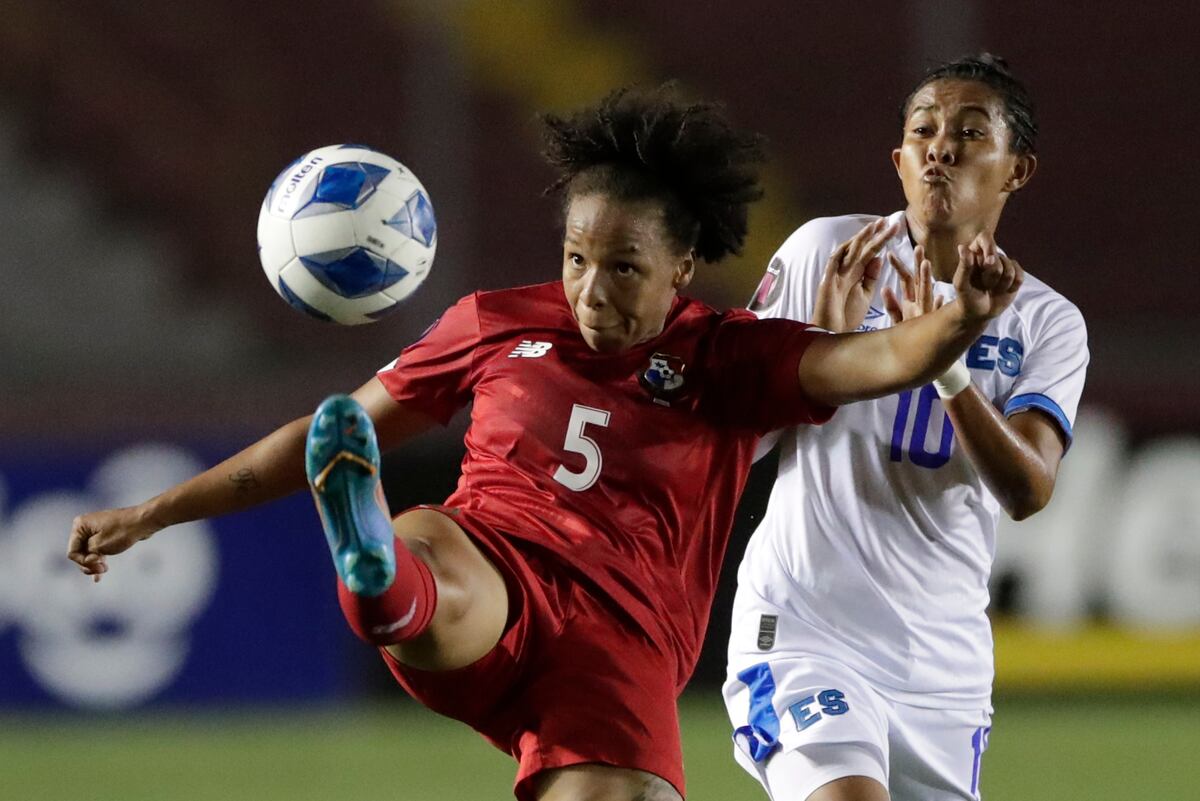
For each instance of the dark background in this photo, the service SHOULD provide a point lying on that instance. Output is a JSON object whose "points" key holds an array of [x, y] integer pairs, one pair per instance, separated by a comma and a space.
{"points": [[138, 142]]}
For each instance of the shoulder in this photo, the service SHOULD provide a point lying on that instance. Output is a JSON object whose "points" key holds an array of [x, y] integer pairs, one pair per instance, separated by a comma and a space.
{"points": [[696, 320], [1041, 308], [745, 322], [550, 292], [689, 308], [795, 270], [535, 305], [823, 235], [695, 316]]}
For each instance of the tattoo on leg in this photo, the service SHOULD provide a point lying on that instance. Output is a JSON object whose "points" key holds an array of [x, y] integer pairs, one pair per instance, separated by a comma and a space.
{"points": [[244, 481]]}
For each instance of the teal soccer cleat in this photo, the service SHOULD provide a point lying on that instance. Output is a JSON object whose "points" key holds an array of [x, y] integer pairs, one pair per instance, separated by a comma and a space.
{"points": [[341, 458]]}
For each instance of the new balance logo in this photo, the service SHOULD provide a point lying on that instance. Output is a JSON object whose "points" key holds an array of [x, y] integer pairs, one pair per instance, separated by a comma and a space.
{"points": [[530, 350]]}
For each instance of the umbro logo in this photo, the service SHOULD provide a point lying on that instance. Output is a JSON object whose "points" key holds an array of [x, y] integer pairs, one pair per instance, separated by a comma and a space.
{"points": [[873, 317], [528, 349]]}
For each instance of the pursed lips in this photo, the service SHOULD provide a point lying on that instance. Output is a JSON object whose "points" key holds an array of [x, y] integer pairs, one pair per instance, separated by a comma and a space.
{"points": [[935, 176]]}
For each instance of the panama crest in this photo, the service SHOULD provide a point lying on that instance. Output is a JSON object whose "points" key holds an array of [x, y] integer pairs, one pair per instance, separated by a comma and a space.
{"points": [[663, 379]]}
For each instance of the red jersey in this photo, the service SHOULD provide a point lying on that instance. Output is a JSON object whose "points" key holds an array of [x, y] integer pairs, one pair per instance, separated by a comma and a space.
{"points": [[628, 466]]}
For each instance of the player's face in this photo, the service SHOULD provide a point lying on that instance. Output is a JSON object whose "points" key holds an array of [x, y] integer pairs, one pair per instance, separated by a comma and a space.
{"points": [[954, 161], [621, 270]]}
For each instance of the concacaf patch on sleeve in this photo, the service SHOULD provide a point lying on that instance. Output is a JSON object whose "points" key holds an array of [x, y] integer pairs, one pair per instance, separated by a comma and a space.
{"points": [[769, 287]]}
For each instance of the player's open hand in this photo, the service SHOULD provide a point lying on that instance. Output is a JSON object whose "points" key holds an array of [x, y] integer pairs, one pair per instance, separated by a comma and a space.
{"points": [[851, 273], [986, 279], [98, 535], [916, 296]]}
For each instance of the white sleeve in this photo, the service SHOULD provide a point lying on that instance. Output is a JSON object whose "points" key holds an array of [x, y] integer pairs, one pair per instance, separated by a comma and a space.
{"points": [[788, 288], [1053, 370]]}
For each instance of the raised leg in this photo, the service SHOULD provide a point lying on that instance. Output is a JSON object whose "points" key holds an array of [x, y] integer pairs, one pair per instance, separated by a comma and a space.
{"points": [[417, 586]]}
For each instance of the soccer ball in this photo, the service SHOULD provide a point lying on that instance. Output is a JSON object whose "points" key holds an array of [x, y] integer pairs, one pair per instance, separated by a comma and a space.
{"points": [[345, 233]]}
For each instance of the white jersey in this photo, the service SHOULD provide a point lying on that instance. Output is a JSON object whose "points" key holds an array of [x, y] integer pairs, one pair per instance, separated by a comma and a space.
{"points": [[878, 539]]}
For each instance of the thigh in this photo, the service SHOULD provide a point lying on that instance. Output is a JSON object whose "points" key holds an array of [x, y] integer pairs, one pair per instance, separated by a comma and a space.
{"points": [[602, 783], [826, 772], [488, 694], [822, 710], [472, 599], [572, 685], [601, 693], [937, 754]]}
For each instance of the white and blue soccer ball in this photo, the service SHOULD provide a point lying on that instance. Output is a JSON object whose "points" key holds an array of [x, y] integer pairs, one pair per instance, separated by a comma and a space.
{"points": [[346, 233]]}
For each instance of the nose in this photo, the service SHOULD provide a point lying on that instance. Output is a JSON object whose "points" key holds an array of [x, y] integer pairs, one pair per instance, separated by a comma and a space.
{"points": [[593, 292], [941, 150]]}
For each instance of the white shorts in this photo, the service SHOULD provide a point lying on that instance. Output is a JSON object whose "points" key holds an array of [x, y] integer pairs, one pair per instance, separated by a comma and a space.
{"points": [[803, 721]]}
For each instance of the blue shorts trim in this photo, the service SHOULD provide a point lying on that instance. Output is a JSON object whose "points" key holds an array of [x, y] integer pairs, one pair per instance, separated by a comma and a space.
{"points": [[761, 736]]}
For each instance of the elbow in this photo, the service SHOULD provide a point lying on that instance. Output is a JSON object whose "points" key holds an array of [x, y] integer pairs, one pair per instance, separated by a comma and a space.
{"points": [[1026, 504], [1024, 511]]}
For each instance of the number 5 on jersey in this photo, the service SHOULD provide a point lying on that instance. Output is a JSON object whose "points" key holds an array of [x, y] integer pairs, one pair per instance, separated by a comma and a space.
{"points": [[579, 442]]}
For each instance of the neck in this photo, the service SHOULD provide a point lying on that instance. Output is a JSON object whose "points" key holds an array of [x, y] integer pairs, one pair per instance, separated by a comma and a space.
{"points": [[941, 244]]}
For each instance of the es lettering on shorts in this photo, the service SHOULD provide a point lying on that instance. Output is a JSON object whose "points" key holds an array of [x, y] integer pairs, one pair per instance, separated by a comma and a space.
{"points": [[812, 708]]}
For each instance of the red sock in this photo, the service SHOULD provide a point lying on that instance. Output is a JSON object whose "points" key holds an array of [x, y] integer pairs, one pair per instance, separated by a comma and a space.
{"points": [[402, 612]]}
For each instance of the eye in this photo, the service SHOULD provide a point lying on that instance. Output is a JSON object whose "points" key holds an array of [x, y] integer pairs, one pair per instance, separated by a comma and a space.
{"points": [[922, 130], [625, 268], [972, 133], [575, 259]]}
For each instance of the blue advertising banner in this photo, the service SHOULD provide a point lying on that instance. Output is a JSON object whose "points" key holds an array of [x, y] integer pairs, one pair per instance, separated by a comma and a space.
{"points": [[242, 608]]}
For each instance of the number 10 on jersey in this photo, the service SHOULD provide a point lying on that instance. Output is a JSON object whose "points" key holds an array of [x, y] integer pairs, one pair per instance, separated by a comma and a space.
{"points": [[916, 451]]}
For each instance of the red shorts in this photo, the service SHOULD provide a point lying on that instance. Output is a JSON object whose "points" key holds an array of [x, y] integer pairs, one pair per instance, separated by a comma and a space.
{"points": [[571, 681]]}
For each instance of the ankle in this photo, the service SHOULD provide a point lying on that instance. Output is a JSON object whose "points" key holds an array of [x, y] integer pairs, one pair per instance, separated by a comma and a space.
{"points": [[401, 612]]}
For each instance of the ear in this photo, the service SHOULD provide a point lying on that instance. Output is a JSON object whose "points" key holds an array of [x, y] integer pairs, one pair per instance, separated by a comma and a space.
{"points": [[684, 270], [1023, 170], [896, 160]]}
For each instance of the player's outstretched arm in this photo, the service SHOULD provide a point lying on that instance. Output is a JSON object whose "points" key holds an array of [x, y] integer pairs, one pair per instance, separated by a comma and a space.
{"points": [[269, 469], [845, 368]]}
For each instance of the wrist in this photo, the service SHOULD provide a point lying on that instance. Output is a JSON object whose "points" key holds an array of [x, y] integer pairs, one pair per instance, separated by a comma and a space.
{"points": [[953, 381], [969, 318], [827, 325], [151, 514], [823, 318]]}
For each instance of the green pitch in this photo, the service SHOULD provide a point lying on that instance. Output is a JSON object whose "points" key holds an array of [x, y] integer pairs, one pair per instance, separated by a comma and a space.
{"points": [[1084, 748]]}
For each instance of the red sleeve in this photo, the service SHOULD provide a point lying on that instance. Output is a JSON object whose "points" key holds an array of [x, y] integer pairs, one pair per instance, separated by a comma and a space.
{"points": [[435, 374], [757, 362]]}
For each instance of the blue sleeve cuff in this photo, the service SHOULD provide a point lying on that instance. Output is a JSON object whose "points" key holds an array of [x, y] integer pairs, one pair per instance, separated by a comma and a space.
{"points": [[1035, 400]]}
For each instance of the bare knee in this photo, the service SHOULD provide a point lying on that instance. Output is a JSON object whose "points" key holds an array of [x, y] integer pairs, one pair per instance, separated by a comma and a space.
{"points": [[848, 788], [603, 783], [465, 578], [472, 600]]}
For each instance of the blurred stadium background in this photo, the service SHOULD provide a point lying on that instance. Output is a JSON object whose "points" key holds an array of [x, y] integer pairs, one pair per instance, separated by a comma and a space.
{"points": [[139, 341]]}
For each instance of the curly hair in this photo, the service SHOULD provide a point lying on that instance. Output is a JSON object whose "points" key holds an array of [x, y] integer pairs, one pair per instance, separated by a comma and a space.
{"points": [[993, 72], [648, 144]]}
